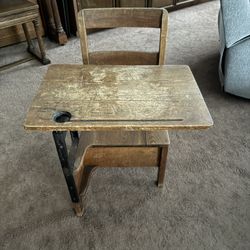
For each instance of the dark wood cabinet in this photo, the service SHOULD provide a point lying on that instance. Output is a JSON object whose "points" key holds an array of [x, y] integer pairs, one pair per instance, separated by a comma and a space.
{"points": [[131, 3], [169, 4], [52, 19], [96, 3], [161, 3]]}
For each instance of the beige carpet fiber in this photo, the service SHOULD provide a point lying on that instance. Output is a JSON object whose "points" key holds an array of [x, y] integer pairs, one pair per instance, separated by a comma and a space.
{"points": [[205, 203]]}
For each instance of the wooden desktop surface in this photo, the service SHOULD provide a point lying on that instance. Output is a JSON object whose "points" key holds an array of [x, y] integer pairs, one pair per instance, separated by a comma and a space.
{"points": [[142, 98]]}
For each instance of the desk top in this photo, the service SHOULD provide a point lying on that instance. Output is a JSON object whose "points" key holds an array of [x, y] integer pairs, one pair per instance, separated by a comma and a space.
{"points": [[118, 98]]}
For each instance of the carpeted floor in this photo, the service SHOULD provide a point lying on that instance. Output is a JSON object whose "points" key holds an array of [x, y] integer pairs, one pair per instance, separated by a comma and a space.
{"points": [[205, 203]]}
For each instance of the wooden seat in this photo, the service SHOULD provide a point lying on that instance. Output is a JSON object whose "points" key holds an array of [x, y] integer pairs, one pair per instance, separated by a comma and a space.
{"points": [[17, 12], [122, 148]]}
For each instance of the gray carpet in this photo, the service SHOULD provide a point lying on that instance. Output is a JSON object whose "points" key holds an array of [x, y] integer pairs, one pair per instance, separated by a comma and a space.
{"points": [[205, 203]]}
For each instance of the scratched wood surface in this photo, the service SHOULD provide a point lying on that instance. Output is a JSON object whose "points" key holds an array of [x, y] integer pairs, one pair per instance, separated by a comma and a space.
{"points": [[119, 98]]}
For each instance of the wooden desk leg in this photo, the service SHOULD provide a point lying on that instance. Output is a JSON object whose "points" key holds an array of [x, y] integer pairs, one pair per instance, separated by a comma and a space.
{"points": [[162, 166], [82, 176], [67, 164], [41, 58]]}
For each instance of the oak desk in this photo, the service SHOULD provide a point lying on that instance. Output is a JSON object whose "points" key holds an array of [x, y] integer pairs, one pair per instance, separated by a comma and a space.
{"points": [[113, 99]]}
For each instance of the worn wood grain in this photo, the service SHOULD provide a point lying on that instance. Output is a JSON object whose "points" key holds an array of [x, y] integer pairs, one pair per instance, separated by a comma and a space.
{"points": [[122, 156], [162, 166], [90, 139], [123, 17], [124, 58], [17, 12], [119, 98], [6, 8], [124, 138], [163, 38]]}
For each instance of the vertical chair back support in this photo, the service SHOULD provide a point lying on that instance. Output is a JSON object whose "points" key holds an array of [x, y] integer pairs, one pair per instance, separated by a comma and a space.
{"points": [[123, 17]]}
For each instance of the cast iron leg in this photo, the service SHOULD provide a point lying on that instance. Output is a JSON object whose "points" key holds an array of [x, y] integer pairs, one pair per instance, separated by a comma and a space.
{"points": [[67, 165]]}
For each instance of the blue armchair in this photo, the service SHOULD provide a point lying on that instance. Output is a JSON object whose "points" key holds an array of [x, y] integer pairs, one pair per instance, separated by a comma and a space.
{"points": [[234, 32]]}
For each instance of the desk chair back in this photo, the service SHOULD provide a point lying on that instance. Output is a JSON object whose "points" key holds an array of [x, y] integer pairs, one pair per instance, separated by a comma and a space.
{"points": [[123, 17]]}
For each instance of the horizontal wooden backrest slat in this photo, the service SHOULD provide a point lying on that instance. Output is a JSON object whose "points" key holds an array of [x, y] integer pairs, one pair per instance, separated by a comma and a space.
{"points": [[123, 58], [122, 17]]}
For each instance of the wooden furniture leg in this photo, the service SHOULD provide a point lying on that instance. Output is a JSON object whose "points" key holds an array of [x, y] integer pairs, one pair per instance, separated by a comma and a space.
{"points": [[55, 28], [28, 39], [78, 208], [61, 35], [84, 179], [162, 166], [50, 17], [42, 58]]}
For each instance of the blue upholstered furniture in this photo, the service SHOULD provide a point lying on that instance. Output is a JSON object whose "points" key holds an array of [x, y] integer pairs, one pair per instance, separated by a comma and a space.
{"points": [[234, 31]]}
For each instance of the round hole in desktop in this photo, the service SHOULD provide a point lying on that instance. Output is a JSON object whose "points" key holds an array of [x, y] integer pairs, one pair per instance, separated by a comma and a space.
{"points": [[61, 116]]}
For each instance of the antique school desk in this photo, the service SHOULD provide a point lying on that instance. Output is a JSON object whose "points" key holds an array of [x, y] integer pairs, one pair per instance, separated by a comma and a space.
{"points": [[98, 100]]}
